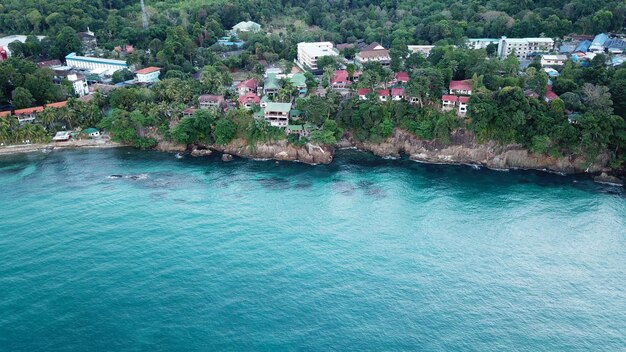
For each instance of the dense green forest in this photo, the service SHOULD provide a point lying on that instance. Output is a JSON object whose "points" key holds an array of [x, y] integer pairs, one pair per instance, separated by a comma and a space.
{"points": [[411, 21]]}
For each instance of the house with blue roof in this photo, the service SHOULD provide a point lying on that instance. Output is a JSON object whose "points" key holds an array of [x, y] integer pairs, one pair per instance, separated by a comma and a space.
{"points": [[597, 45]]}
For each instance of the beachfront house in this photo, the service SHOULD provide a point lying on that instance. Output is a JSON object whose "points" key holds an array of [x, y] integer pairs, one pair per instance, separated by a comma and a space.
{"points": [[277, 114]]}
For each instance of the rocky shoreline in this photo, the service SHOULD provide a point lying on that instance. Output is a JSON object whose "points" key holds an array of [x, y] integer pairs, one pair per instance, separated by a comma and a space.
{"points": [[462, 149]]}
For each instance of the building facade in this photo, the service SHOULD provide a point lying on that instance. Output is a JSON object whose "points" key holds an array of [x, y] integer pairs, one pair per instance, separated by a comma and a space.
{"points": [[309, 53], [92, 63], [524, 47], [148, 75], [277, 114]]}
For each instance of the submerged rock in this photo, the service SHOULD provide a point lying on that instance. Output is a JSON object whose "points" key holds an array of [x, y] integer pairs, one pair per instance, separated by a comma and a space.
{"points": [[227, 157], [608, 179]]}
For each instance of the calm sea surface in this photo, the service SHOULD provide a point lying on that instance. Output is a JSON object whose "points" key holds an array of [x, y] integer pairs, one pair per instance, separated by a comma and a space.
{"points": [[365, 255]]}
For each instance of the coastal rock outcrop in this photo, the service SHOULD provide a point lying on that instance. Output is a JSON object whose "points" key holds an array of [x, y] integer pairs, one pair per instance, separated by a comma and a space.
{"points": [[463, 149], [227, 157], [197, 151], [279, 150]]}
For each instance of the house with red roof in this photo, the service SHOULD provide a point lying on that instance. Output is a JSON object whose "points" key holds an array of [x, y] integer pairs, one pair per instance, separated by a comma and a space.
{"points": [[383, 95], [249, 100], [247, 86], [188, 112], [401, 77], [397, 94], [463, 100], [448, 102], [148, 75], [550, 95], [461, 87], [340, 79], [362, 93]]}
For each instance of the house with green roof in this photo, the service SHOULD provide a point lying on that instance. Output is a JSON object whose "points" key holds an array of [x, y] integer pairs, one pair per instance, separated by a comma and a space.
{"points": [[277, 114], [271, 85], [298, 80], [247, 26], [91, 132]]}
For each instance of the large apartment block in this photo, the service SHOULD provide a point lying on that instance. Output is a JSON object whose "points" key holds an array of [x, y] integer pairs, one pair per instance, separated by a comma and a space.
{"points": [[523, 47], [309, 53]]}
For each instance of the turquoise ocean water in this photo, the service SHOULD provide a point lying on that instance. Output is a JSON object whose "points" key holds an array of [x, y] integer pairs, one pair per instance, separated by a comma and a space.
{"points": [[365, 255]]}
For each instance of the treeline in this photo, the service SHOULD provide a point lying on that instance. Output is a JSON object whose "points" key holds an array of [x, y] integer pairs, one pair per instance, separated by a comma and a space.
{"points": [[402, 21]]}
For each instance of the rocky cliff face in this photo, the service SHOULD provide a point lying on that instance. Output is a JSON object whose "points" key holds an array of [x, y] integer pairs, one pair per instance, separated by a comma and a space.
{"points": [[463, 149], [280, 150]]}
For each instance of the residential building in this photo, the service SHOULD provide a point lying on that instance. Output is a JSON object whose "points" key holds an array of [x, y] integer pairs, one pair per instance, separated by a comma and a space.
{"points": [[550, 95], [383, 95], [62, 136], [249, 100], [277, 114], [448, 102], [463, 105], [298, 80], [92, 132], [481, 43], [208, 101], [583, 46], [373, 53], [148, 75], [189, 112], [524, 47], [553, 60], [247, 26], [247, 86], [401, 77], [340, 79], [615, 46], [363, 92], [88, 39], [309, 53], [397, 94], [271, 85], [461, 87], [30, 114], [597, 45], [91, 63], [5, 41], [79, 83], [424, 50]]}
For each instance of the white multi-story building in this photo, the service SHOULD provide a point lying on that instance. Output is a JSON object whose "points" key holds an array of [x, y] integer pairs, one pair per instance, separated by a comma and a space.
{"points": [[553, 60], [309, 53], [148, 75], [92, 63], [481, 43], [523, 47], [277, 114], [79, 83]]}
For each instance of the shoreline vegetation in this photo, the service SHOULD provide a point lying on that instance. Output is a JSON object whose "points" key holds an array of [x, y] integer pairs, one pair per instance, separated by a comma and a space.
{"points": [[460, 152]]}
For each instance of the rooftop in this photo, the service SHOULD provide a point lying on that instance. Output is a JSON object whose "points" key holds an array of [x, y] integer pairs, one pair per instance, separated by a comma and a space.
{"points": [[278, 107], [145, 71]]}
